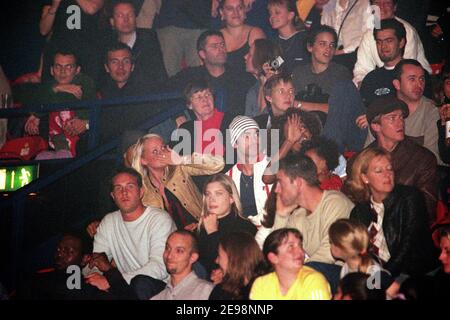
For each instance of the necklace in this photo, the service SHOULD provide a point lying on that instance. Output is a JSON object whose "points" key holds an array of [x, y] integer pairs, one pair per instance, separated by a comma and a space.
{"points": [[247, 180]]}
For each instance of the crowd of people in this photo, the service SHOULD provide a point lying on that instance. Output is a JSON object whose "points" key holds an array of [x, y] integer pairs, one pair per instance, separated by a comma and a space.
{"points": [[311, 161]]}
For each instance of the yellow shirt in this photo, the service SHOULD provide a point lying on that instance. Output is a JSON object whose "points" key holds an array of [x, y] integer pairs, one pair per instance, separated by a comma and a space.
{"points": [[310, 285]]}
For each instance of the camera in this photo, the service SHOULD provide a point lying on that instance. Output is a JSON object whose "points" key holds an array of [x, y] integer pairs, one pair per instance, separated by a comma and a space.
{"points": [[276, 63]]}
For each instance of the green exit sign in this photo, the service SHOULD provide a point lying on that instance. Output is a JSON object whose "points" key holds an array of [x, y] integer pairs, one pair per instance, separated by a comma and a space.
{"points": [[13, 178]]}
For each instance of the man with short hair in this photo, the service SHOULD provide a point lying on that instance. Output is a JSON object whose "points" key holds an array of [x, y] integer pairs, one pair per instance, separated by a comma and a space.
{"points": [[324, 86], [409, 82], [369, 58], [180, 253], [134, 236], [64, 128], [213, 54], [315, 209], [413, 164], [390, 42], [144, 44]]}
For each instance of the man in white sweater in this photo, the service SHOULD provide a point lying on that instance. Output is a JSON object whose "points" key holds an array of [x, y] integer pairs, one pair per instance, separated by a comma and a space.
{"points": [[368, 58], [133, 238]]}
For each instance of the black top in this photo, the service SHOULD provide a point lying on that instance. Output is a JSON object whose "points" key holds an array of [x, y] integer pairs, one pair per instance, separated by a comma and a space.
{"points": [[377, 83], [209, 243], [405, 228], [294, 50]]}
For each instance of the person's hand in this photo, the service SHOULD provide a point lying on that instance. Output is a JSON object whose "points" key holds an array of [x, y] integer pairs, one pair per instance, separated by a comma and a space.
{"points": [[73, 89], [97, 280], [281, 209], [191, 226], [444, 112], [211, 223], [436, 32], [362, 122], [294, 132], [180, 120], [32, 125], [267, 73], [100, 260], [169, 157], [91, 229], [75, 126], [217, 276], [393, 290]]}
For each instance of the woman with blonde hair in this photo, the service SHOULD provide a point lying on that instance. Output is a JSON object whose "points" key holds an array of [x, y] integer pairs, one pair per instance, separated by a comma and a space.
{"points": [[349, 242], [238, 35], [221, 215], [167, 178], [395, 215], [240, 260]]}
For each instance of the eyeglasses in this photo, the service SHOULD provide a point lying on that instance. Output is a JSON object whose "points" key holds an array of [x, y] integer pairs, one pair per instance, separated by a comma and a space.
{"points": [[66, 67], [201, 97]]}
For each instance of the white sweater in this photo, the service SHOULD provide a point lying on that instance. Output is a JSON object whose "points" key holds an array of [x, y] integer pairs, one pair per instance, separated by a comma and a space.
{"points": [[136, 246], [368, 58]]}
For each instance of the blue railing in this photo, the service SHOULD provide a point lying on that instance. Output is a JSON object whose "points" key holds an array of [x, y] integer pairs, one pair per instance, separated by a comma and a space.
{"points": [[16, 200]]}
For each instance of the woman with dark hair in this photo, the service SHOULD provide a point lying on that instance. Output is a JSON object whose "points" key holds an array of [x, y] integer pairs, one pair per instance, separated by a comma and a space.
{"points": [[354, 287], [240, 260], [221, 215], [257, 62], [395, 215], [325, 155]]}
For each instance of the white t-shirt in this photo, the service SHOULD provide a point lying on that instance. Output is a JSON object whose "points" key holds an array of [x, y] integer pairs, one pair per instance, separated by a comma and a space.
{"points": [[136, 246]]}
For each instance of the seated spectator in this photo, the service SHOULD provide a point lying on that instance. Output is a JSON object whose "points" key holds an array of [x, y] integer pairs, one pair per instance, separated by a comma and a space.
{"points": [[324, 153], [390, 41], [423, 114], [134, 236], [436, 285], [311, 210], [215, 70], [395, 216], [369, 60], [248, 171], [144, 45], [350, 243], [168, 180], [354, 287], [257, 63], [290, 279], [350, 19], [85, 42], [238, 35], [120, 67], [325, 87], [180, 254], [51, 284], [208, 122], [279, 95], [221, 214], [412, 164], [284, 18], [240, 260], [64, 128]]}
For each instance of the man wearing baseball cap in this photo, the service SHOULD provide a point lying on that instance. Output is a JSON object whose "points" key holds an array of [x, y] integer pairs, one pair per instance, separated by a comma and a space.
{"points": [[413, 164], [248, 171]]}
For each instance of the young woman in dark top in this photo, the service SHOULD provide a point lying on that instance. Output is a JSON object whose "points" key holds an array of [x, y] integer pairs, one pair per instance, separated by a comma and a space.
{"points": [[221, 215]]}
